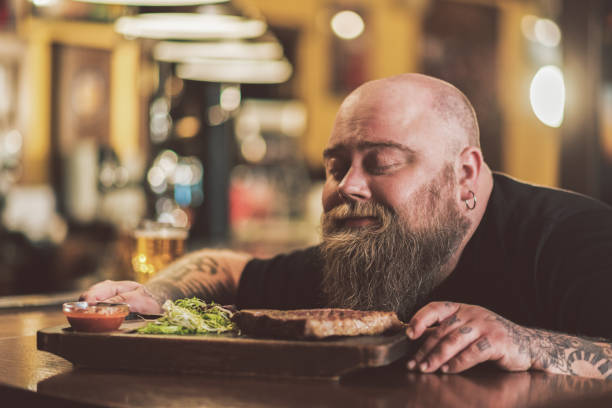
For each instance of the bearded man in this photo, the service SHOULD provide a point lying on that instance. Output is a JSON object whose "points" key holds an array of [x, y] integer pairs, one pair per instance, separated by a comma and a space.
{"points": [[481, 266]]}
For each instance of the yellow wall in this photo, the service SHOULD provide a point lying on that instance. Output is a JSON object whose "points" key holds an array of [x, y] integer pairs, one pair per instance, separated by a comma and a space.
{"points": [[40, 36]]}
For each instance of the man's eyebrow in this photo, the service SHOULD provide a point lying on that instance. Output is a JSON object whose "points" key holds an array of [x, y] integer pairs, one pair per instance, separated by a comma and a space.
{"points": [[378, 145], [334, 151]]}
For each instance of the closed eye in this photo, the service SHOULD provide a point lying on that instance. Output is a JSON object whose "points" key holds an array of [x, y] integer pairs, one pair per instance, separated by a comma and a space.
{"points": [[380, 170], [378, 165], [336, 167]]}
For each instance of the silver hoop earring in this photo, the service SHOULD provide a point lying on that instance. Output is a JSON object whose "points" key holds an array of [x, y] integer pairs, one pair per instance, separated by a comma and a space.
{"points": [[467, 202]]}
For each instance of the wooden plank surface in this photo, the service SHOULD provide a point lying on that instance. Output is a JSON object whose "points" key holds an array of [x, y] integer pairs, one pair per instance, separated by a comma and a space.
{"points": [[230, 354], [25, 371]]}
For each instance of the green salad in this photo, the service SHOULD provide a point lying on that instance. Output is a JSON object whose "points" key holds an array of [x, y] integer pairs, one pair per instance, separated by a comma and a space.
{"points": [[191, 316]]}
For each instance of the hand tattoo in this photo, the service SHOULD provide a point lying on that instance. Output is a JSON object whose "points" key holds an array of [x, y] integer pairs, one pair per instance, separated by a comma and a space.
{"points": [[483, 344], [451, 320], [562, 353]]}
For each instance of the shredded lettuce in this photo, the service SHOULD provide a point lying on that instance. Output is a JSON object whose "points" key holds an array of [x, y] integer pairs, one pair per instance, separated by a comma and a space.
{"points": [[191, 316]]}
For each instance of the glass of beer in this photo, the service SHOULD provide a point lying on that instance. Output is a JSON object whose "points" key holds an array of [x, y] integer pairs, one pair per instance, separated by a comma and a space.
{"points": [[155, 245]]}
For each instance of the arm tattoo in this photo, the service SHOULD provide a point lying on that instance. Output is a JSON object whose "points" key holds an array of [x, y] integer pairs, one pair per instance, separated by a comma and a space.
{"points": [[198, 274], [561, 352], [465, 330]]}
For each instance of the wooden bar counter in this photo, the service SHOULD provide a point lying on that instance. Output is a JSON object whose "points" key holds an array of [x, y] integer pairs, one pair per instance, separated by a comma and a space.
{"points": [[29, 377]]}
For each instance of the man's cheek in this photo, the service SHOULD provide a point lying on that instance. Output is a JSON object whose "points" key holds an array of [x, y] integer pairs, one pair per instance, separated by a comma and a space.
{"points": [[330, 197]]}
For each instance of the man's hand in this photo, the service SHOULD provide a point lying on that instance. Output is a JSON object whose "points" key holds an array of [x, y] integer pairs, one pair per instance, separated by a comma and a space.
{"points": [[466, 336], [134, 294], [461, 336]]}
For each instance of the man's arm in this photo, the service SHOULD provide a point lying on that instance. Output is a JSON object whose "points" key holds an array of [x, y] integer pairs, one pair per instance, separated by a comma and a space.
{"points": [[469, 335], [208, 274]]}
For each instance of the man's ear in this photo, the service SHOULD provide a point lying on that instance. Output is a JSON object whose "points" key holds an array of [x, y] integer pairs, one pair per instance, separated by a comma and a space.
{"points": [[469, 162]]}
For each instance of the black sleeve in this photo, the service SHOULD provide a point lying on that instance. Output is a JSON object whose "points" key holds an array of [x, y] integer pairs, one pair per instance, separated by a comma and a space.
{"points": [[576, 274], [288, 281]]}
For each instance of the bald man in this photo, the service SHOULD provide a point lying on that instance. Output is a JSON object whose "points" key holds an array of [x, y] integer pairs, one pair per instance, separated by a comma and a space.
{"points": [[480, 265]]}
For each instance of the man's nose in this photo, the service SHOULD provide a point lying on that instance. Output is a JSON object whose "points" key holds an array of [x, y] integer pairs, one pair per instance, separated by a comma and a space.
{"points": [[354, 185]]}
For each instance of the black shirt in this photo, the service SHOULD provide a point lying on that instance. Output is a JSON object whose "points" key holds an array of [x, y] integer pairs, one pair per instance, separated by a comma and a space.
{"points": [[540, 257]]}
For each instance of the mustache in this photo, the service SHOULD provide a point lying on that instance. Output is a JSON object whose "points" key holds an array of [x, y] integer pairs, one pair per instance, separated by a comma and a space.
{"points": [[333, 219]]}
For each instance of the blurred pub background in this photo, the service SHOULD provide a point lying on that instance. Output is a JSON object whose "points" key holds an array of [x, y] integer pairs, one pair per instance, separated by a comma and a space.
{"points": [[212, 115]]}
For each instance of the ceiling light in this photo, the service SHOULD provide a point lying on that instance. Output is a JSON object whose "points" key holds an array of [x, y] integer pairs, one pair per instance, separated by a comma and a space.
{"points": [[189, 26], [153, 2], [174, 51], [236, 71]]}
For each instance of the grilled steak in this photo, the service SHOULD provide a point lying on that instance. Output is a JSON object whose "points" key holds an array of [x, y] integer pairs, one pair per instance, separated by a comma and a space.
{"points": [[315, 323]]}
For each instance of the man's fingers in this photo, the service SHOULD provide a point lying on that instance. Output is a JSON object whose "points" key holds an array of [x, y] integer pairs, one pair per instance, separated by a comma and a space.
{"points": [[105, 290], [479, 351], [447, 348], [435, 335], [121, 298], [433, 313], [139, 300]]}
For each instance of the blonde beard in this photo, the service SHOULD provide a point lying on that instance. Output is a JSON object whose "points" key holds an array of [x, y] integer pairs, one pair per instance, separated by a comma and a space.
{"points": [[386, 266]]}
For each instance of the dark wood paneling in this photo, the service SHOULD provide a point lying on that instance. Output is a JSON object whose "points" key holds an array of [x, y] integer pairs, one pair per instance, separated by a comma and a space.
{"points": [[461, 47], [581, 156]]}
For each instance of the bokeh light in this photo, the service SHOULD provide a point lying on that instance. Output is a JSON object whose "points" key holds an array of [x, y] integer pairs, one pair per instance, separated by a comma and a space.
{"points": [[547, 95], [230, 98], [547, 32], [347, 24], [254, 148]]}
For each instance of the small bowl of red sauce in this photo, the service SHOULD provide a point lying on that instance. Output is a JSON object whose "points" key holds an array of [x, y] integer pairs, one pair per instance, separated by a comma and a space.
{"points": [[95, 317]]}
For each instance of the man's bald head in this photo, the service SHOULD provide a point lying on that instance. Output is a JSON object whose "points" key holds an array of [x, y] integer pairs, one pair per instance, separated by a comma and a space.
{"points": [[407, 96]]}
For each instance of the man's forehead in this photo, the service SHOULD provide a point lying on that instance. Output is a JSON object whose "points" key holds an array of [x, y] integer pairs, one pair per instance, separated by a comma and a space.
{"points": [[371, 131]]}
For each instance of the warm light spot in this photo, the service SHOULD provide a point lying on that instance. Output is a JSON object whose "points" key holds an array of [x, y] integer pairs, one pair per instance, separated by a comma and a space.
{"points": [[217, 115], [12, 142], [173, 86], [528, 24], [347, 24], [254, 148], [182, 175], [44, 3], [167, 161], [547, 95], [180, 218], [187, 127], [156, 176], [547, 32], [230, 98]]}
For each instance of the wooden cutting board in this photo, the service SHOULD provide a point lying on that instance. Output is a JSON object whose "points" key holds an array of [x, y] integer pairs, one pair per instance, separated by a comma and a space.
{"points": [[227, 354]]}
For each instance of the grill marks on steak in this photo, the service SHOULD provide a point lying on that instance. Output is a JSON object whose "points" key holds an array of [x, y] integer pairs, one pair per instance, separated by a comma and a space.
{"points": [[315, 323]]}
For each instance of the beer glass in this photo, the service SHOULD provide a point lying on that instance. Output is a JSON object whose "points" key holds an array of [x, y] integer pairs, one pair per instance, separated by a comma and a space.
{"points": [[155, 245]]}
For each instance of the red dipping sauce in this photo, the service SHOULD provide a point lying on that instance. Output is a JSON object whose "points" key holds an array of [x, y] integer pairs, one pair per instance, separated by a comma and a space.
{"points": [[95, 317]]}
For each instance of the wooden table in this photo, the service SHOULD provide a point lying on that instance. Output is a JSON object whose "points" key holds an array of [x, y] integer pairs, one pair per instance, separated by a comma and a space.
{"points": [[31, 376]]}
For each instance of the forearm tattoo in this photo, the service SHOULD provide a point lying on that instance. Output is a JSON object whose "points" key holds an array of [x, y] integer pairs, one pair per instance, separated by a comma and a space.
{"points": [[562, 353], [198, 274]]}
